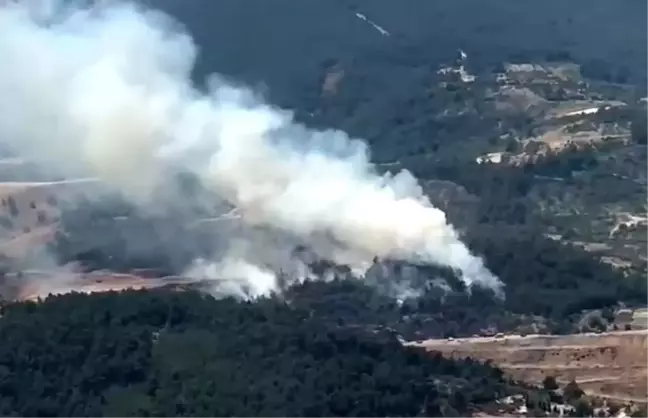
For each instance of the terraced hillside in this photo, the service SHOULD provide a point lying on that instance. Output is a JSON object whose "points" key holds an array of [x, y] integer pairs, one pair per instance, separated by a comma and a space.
{"points": [[611, 365]]}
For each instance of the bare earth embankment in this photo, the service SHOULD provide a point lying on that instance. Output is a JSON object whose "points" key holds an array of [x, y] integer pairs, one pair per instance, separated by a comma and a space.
{"points": [[610, 365]]}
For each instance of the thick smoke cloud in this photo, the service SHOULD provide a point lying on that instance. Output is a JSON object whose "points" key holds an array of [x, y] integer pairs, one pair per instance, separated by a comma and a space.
{"points": [[107, 92]]}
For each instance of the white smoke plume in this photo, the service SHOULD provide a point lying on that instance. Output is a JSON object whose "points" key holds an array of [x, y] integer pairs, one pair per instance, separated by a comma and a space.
{"points": [[236, 277], [106, 92]]}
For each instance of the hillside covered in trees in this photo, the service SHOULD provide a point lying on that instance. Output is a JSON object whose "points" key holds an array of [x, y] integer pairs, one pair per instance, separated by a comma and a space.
{"points": [[163, 353]]}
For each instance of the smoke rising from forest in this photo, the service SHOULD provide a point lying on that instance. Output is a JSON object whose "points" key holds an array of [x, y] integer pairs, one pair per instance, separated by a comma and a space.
{"points": [[107, 92]]}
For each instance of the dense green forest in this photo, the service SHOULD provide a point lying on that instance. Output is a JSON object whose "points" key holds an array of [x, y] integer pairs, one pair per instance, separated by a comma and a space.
{"points": [[161, 353]]}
